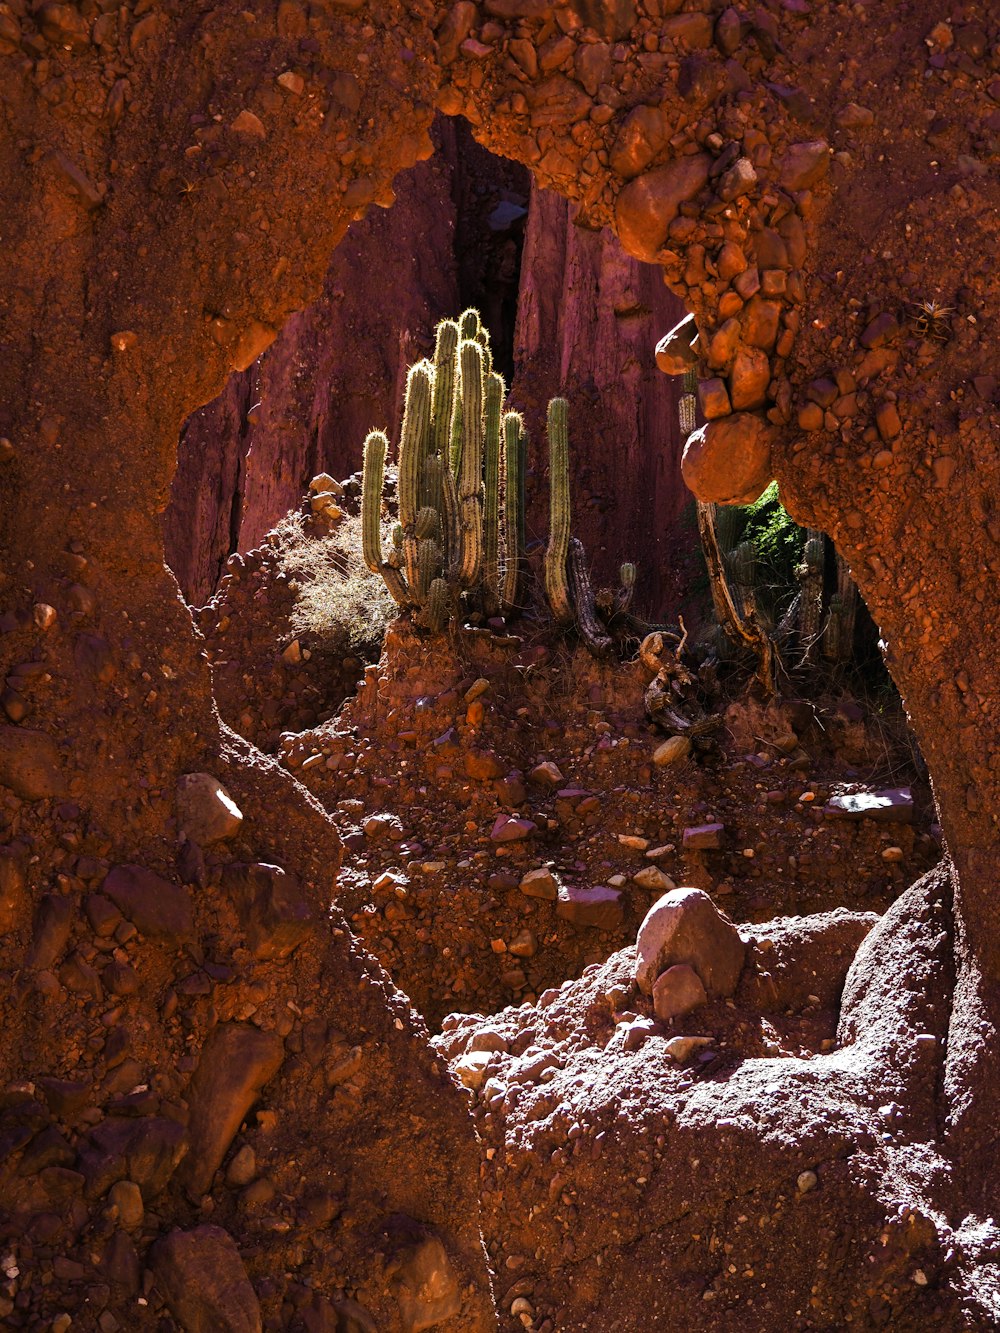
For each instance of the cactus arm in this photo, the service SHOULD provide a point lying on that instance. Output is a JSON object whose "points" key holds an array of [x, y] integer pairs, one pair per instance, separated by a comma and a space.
{"points": [[439, 605], [445, 367], [491, 498], [591, 630], [373, 476], [623, 597], [556, 552]]}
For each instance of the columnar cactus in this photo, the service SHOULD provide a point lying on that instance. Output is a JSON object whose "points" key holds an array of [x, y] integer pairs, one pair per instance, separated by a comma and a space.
{"points": [[515, 449], [810, 576], [556, 585], [838, 637], [448, 539]]}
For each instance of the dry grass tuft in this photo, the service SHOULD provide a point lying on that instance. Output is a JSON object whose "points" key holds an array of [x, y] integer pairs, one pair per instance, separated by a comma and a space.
{"points": [[341, 607]]}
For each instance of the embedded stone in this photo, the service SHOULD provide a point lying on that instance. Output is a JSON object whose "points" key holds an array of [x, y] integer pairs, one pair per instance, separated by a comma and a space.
{"points": [[887, 421], [649, 203], [507, 829], [703, 837], [728, 461], [540, 883], [677, 992], [598, 907], [804, 165], [675, 352], [236, 1062], [749, 378], [272, 907], [201, 1277], [685, 926], [652, 877], [723, 344], [760, 323], [882, 329], [713, 399], [894, 805], [206, 813], [641, 137], [53, 922], [30, 764], [425, 1285], [154, 905]]}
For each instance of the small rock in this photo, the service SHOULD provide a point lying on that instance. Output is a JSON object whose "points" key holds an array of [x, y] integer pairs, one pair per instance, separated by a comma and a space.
{"points": [[598, 907], [672, 751], [685, 926], [804, 165], [807, 1180], [236, 1062], [126, 1196], [680, 1048], [703, 837], [249, 123], [546, 774], [540, 883], [652, 877], [471, 1068], [154, 906], [677, 991], [425, 1285], [243, 1168], [508, 829], [206, 813]]}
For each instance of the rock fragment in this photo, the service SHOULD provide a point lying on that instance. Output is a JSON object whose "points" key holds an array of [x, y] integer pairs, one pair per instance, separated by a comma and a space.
{"points": [[30, 764], [154, 905], [206, 813]]}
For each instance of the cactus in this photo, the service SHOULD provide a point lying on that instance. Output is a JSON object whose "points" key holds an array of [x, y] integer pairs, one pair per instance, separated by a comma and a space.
{"points": [[515, 448], [591, 630], [450, 507], [743, 565], [557, 550], [491, 495], [687, 404], [838, 637], [624, 595], [439, 605], [810, 576]]}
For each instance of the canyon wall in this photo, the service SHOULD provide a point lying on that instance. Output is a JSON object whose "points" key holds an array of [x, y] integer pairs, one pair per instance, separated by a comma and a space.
{"points": [[580, 321]]}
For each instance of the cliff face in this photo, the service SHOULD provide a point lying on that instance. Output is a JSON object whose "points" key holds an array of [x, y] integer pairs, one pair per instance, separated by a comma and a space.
{"points": [[588, 319], [580, 319]]}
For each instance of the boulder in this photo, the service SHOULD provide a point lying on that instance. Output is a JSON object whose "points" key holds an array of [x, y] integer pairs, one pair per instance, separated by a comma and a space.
{"points": [[649, 203], [236, 1062], [894, 805], [685, 926], [206, 813], [425, 1285], [201, 1277], [728, 460], [540, 883]]}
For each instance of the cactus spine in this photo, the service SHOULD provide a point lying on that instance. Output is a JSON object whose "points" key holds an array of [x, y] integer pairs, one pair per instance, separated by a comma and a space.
{"points": [[556, 585]]}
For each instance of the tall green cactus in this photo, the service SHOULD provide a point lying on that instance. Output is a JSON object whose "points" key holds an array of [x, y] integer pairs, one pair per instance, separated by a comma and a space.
{"points": [[556, 585], [515, 450], [449, 482]]}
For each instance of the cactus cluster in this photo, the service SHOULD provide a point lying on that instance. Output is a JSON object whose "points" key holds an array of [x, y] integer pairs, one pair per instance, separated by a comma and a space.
{"points": [[460, 484], [811, 622]]}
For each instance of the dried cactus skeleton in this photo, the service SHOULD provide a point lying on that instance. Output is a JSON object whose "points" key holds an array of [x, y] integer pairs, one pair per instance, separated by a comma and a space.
{"points": [[673, 697]]}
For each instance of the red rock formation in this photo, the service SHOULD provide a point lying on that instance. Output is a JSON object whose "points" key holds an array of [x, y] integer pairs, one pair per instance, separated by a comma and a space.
{"points": [[587, 322]]}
